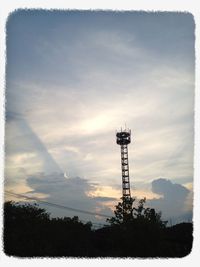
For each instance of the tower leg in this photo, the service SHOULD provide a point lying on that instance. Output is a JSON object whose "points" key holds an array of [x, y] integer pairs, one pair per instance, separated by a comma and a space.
{"points": [[126, 193]]}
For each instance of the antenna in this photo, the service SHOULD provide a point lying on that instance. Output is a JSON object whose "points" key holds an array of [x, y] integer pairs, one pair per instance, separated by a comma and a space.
{"points": [[123, 138]]}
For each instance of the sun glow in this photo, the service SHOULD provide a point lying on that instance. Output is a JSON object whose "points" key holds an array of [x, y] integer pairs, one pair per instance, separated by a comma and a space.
{"points": [[105, 191], [108, 191], [96, 123]]}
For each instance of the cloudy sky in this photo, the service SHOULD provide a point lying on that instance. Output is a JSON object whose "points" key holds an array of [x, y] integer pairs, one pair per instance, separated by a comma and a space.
{"points": [[74, 78]]}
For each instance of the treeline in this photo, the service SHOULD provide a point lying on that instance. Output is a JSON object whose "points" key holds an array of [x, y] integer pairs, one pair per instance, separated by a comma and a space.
{"points": [[30, 232]]}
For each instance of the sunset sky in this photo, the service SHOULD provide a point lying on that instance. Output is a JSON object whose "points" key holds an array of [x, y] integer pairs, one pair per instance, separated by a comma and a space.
{"points": [[72, 79]]}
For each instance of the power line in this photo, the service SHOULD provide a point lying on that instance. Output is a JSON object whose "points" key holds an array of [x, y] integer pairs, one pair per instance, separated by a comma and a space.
{"points": [[56, 205]]}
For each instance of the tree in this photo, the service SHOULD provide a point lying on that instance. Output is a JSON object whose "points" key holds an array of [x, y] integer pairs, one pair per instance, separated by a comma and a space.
{"points": [[139, 213], [29, 231], [119, 213], [25, 211]]}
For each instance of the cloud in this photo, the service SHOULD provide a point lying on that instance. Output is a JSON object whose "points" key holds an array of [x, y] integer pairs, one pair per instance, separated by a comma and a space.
{"points": [[72, 192], [169, 190], [171, 198], [172, 201], [104, 199]]}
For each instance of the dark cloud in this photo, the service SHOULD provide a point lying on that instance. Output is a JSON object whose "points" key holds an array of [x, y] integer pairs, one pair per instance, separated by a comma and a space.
{"points": [[71, 192], [104, 199], [173, 199], [169, 190]]}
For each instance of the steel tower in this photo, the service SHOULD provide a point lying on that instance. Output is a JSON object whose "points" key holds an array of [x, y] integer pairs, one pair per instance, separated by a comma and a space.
{"points": [[123, 138]]}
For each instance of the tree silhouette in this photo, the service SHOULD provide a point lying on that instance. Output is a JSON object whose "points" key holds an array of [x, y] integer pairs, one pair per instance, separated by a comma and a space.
{"points": [[139, 213], [119, 214], [29, 231]]}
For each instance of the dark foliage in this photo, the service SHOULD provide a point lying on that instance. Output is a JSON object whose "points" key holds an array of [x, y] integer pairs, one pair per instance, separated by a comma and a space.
{"points": [[30, 232]]}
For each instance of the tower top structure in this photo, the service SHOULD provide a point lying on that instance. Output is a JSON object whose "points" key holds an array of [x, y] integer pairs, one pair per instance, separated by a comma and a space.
{"points": [[123, 137]]}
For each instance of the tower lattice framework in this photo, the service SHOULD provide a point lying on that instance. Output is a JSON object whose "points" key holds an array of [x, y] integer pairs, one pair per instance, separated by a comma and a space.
{"points": [[123, 138]]}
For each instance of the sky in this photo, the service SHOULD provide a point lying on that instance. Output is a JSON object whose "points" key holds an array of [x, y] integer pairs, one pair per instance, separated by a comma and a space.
{"points": [[75, 77]]}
